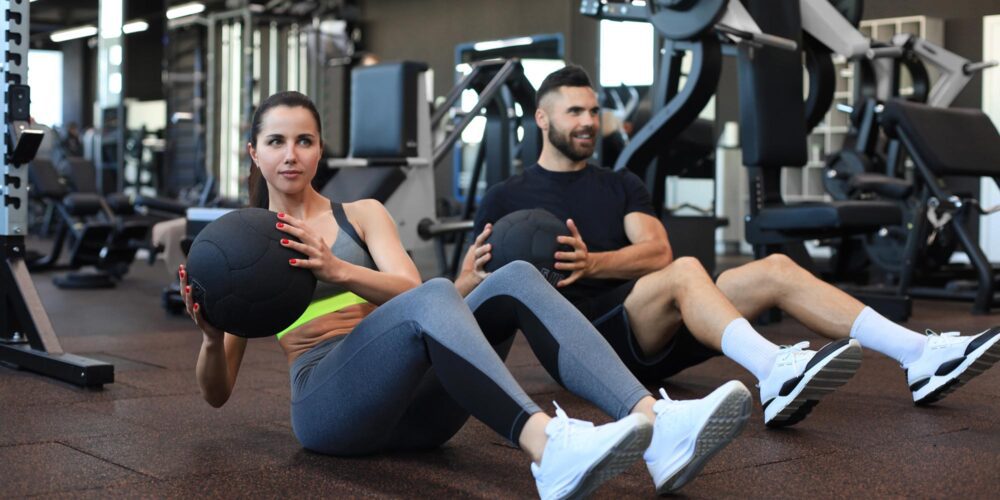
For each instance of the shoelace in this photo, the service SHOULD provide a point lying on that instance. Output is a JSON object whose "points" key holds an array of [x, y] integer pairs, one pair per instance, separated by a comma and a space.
{"points": [[663, 405], [946, 338], [566, 427], [932, 333], [792, 350]]}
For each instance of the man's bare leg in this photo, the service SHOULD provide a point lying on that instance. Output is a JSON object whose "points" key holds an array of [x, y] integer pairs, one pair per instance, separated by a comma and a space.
{"points": [[791, 380], [682, 291], [777, 281]]}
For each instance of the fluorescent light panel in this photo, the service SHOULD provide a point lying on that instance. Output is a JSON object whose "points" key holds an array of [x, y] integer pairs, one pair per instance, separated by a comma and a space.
{"points": [[183, 10], [135, 27], [500, 44], [73, 33]]}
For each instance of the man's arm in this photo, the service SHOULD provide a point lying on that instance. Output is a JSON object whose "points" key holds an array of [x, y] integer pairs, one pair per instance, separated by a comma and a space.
{"points": [[649, 251]]}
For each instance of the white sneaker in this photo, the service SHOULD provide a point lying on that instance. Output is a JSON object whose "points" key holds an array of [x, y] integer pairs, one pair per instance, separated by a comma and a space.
{"points": [[800, 377], [688, 433], [579, 457], [950, 360]]}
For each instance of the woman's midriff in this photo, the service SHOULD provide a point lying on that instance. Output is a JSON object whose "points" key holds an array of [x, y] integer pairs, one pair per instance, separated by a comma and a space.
{"points": [[322, 328]]}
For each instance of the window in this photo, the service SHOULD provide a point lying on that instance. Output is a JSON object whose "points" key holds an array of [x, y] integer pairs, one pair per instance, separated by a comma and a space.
{"points": [[45, 77], [627, 53]]}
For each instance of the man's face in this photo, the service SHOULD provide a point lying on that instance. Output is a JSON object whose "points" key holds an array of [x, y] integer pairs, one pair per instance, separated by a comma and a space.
{"points": [[571, 121]]}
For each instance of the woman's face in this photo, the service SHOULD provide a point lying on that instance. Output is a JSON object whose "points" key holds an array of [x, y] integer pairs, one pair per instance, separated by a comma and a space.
{"points": [[288, 149]]}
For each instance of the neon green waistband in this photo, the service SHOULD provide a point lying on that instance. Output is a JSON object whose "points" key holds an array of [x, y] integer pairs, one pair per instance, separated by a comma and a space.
{"points": [[324, 306]]}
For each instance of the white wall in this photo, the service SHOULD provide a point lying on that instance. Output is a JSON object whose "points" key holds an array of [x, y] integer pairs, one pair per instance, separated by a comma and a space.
{"points": [[989, 226]]}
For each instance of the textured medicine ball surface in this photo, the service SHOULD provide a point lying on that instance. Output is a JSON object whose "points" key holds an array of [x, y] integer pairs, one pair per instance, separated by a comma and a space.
{"points": [[528, 235], [239, 274]]}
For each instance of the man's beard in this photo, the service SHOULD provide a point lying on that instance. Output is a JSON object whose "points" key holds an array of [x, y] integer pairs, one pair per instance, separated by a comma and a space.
{"points": [[564, 143]]}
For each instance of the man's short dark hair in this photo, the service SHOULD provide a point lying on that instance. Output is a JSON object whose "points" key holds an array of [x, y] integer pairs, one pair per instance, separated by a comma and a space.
{"points": [[570, 76]]}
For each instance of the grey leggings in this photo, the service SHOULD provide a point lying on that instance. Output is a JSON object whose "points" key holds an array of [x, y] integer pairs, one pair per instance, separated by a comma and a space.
{"points": [[412, 372]]}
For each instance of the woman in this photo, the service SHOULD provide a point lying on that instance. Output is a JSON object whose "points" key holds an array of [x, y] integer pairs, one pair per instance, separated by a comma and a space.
{"points": [[399, 365]]}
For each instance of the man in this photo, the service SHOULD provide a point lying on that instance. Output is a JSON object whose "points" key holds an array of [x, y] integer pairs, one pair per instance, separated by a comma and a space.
{"points": [[663, 315]]}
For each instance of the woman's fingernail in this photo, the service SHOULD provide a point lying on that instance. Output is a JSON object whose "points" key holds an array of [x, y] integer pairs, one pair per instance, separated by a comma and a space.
{"points": [[195, 307], [281, 215], [284, 241], [182, 274], [292, 261], [280, 225], [187, 289]]}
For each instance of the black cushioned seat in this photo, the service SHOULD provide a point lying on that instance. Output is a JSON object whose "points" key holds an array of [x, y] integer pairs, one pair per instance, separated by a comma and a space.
{"points": [[82, 204], [884, 185], [942, 137], [852, 216], [120, 203]]}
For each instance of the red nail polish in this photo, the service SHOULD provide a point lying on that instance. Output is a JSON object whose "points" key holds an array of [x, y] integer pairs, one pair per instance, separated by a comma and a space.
{"points": [[280, 225], [292, 261], [182, 274], [187, 289], [281, 215], [196, 307], [284, 241]]}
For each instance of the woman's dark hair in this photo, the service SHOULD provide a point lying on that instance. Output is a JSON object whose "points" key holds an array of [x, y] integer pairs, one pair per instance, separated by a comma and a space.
{"points": [[291, 99]]}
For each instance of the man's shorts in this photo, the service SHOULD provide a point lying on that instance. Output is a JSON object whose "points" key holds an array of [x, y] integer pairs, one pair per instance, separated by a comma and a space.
{"points": [[607, 313]]}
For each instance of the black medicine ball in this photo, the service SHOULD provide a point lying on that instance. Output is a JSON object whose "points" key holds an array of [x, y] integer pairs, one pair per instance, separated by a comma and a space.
{"points": [[529, 235], [239, 275]]}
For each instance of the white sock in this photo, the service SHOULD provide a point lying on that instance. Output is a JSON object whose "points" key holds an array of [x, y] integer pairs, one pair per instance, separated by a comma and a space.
{"points": [[876, 332], [742, 344]]}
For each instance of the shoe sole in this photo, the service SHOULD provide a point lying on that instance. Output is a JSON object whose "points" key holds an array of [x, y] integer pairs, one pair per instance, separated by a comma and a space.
{"points": [[819, 381], [618, 459], [941, 385], [722, 426]]}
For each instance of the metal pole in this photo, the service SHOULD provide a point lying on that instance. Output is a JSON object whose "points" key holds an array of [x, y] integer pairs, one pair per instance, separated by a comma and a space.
{"points": [[487, 95]]}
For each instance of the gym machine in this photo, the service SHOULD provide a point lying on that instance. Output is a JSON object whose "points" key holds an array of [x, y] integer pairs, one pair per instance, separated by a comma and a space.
{"points": [[27, 339], [775, 121], [393, 155], [866, 169], [500, 86], [700, 28], [256, 50]]}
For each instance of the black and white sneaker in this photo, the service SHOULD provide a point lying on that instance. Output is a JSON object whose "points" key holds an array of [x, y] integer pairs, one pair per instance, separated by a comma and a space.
{"points": [[950, 360], [801, 377]]}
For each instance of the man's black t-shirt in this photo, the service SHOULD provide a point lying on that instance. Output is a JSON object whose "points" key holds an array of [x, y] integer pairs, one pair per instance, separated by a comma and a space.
{"points": [[596, 198]]}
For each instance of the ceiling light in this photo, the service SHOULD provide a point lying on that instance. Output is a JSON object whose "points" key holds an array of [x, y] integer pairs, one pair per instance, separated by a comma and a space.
{"points": [[73, 33], [135, 27], [501, 44], [183, 10]]}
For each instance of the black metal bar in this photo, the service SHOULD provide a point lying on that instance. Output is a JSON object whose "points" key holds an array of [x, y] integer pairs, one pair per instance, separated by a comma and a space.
{"points": [[984, 271], [442, 228], [28, 339], [680, 108], [77, 370], [487, 95], [454, 95], [916, 228]]}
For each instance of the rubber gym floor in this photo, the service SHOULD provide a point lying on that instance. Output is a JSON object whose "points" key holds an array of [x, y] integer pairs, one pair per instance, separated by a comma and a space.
{"points": [[150, 434]]}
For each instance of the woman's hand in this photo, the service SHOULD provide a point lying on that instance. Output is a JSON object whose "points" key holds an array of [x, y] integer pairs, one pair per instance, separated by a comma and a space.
{"points": [[319, 258], [212, 333], [473, 270], [480, 254]]}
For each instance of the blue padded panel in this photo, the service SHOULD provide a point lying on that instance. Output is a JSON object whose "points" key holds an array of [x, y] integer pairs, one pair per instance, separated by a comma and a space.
{"points": [[384, 110]]}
